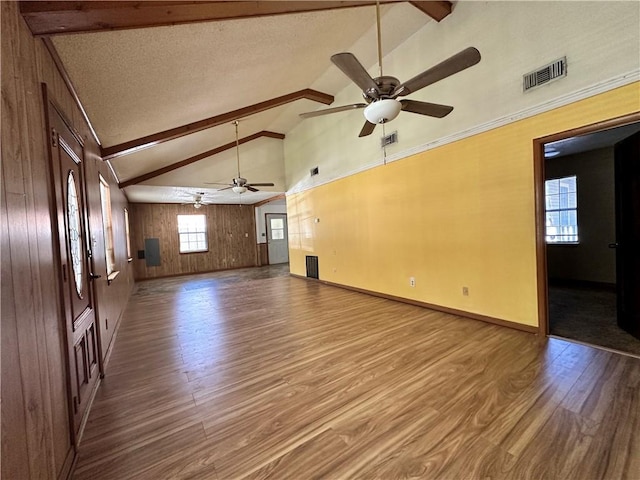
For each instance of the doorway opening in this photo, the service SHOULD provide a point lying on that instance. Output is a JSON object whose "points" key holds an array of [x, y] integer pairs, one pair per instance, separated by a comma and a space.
{"points": [[587, 212]]}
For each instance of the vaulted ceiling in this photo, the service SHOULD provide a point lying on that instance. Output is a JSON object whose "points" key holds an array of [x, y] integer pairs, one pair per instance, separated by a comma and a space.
{"points": [[162, 82]]}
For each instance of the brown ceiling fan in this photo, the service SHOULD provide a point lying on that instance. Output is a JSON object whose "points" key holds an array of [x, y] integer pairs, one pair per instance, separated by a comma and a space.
{"points": [[381, 93], [240, 184]]}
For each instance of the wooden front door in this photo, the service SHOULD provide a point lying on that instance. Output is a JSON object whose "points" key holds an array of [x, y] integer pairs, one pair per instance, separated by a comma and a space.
{"points": [[627, 178], [67, 167]]}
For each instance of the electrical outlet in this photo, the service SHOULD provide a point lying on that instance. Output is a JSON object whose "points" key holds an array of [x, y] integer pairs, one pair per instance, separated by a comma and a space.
{"points": [[465, 291], [412, 281]]}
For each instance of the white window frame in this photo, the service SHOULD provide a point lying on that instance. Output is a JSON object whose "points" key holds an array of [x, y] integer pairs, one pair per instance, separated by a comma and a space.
{"points": [[563, 206], [107, 228], [127, 233], [192, 233]]}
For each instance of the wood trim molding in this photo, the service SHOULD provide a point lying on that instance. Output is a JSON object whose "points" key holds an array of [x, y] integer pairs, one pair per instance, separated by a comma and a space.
{"points": [[200, 156], [54, 18], [541, 244], [269, 200], [67, 81], [417, 303], [539, 174], [184, 274], [437, 10], [177, 132]]}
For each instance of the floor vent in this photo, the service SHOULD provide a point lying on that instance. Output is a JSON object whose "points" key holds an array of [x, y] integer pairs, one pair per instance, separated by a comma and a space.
{"points": [[312, 266], [553, 71], [389, 139]]}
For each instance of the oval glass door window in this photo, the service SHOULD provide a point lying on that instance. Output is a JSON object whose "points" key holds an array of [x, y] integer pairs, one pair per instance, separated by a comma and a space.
{"points": [[73, 219]]}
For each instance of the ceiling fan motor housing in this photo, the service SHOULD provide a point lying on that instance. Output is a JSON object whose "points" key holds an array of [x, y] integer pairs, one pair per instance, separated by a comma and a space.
{"points": [[382, 111]]}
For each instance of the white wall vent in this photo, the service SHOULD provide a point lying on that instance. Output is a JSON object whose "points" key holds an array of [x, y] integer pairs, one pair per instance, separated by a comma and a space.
{"points": [[389, 139], [541, 76]]}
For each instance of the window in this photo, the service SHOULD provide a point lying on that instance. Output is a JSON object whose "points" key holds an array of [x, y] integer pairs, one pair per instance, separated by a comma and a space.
{"points": [[192, 230], [277, 229], [107, 227], [127, 234], [561, 207]]}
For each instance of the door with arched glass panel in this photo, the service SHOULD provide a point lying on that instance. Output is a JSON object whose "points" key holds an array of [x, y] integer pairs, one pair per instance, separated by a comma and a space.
{"points": [[75, 267]]}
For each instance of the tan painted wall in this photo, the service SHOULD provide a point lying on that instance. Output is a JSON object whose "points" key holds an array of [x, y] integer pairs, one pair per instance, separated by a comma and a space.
{"points": [[459, 215]]}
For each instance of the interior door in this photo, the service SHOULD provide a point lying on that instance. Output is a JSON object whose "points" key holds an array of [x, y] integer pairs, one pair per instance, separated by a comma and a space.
{"points": [[277, 238], [67, 168], [627, 173]]}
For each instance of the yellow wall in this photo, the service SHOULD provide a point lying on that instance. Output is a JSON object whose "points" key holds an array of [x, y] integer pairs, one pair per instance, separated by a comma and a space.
{"points": [[459, 215]]}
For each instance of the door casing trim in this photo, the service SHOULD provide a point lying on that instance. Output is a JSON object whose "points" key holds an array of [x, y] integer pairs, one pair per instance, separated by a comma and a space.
{"points": [[538, 175]]}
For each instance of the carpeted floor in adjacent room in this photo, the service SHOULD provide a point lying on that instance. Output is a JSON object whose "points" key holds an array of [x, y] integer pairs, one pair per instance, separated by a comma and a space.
{"points": [[588, 315]]}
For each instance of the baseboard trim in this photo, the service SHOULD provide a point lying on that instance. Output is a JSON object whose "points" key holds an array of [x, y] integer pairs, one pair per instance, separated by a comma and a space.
{"points": [[69, 465], [430, 306], [183, 274], [107, 356], [85, 417]]}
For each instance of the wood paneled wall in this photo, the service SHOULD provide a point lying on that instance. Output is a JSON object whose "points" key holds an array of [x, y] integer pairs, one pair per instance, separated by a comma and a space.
{"points": [[36, 436], [231, 237], [263, 254]]}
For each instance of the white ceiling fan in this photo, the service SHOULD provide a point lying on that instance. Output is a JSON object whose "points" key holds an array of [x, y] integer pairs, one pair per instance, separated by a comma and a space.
{"points": [[381, 93], [199, 199], [239, 184]]}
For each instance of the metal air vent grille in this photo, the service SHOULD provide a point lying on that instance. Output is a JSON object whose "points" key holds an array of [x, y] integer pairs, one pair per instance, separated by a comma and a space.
{"points": [[389, 139], [553, 71]]}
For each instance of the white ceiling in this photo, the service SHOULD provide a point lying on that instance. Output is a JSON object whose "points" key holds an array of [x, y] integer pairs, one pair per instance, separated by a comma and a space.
{"points": [[138, 82]]}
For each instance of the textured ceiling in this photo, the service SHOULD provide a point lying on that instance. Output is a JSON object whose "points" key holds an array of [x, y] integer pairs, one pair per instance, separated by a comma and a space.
{"points": [[139, 82]]}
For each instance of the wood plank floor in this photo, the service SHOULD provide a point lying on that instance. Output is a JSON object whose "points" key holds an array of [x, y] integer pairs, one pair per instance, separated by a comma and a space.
{"points": [[285, 378]]}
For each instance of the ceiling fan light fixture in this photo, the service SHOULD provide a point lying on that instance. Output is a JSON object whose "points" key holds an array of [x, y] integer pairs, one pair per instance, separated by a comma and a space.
{"points": [[239, 189], [197, 205], [382, 111]]}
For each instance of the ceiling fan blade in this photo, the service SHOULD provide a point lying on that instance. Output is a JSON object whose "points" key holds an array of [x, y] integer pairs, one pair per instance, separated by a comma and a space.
{"points": [[327, 111], [352, 68], [464, 59], [226, 188], [251, 189], [260, 184], [215, 183], [367, 129], [426, 108]]}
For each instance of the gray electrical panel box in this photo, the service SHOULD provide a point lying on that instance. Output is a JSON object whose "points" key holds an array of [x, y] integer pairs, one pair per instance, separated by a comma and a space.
{"points": [[152, 252]]}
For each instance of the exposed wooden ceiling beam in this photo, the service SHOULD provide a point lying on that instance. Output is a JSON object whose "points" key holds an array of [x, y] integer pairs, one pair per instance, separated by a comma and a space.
{"points": [[177, 132], [195, 158], [51, 18], [269, 200], [436, 10]]}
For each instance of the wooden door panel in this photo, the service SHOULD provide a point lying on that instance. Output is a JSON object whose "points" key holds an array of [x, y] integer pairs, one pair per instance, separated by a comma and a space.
{"points": [[627, 178], [67, 159], [92, 349], [80, 372]]}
